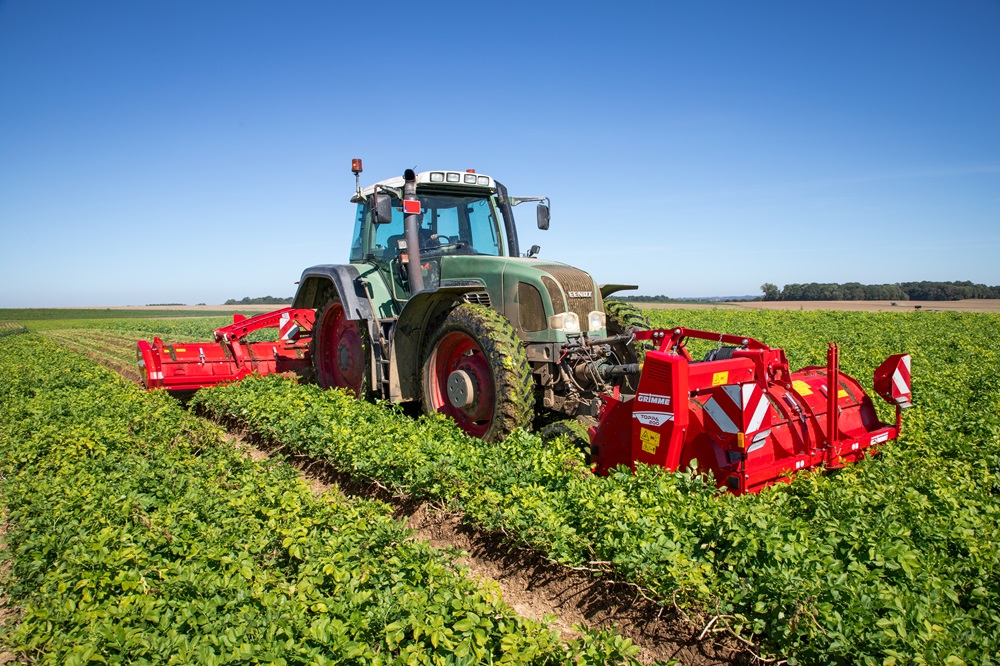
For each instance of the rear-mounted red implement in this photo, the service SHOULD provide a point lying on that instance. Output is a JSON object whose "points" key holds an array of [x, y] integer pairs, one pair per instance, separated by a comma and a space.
{"points": [[191, 366], [741, 414]]}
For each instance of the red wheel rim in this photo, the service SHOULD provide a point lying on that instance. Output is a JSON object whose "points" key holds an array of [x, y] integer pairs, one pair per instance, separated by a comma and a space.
{"points": [[458, 351], [340, 352]]}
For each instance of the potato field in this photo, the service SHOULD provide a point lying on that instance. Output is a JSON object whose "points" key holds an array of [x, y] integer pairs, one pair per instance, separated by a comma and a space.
{"points": [[137, 532]]}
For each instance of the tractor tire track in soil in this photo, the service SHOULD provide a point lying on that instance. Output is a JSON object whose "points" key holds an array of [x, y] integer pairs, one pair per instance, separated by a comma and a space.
{"points": [[532, 585], [8, 614]]}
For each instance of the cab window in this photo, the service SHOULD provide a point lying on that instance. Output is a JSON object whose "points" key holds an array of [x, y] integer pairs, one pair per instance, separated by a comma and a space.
{"points": [[448, 225], [357, 252]]}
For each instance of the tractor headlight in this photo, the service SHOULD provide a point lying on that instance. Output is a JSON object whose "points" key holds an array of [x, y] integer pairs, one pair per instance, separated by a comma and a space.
{"points": [[567, 322], [596, 321]]}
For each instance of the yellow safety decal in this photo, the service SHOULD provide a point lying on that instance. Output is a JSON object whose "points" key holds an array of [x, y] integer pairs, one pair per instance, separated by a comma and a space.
{"points": [[180, 349], [720, 378], [801, 387], [650, 440], [842, 393]]}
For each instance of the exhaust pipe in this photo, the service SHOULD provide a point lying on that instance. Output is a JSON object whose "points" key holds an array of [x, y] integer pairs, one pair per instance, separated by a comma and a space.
{"points": [[411, 222]]}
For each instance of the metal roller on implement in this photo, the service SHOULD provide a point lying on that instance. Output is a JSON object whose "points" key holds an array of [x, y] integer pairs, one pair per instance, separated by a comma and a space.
{"points": [[182, 367], [742, 414]]}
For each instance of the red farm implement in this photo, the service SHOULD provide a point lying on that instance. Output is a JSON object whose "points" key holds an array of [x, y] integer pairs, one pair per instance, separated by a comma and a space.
{"points": [[191, 366], [741, 413]]}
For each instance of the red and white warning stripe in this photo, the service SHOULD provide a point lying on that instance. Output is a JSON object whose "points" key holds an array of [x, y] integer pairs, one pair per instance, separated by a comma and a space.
{"points": [[288, 328], [745, 409], [901, 381]]}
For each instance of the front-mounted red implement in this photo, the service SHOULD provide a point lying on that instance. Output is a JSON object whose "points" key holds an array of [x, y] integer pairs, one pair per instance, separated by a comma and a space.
{"points": [[742, 414], [193, 365]]}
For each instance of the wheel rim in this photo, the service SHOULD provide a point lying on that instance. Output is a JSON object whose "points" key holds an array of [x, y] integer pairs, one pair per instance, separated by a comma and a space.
{"points": [[340, 353], [458, 352]]}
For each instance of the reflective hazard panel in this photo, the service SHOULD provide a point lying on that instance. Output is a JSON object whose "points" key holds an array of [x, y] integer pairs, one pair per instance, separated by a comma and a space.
{"points": [[892, 380]]}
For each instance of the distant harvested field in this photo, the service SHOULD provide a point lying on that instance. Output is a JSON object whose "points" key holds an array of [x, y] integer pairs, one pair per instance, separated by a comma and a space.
{"points": [[968, 305]]}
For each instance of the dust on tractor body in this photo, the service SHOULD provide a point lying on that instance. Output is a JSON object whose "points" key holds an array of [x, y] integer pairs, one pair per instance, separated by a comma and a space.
{"points": [[437, 305]]}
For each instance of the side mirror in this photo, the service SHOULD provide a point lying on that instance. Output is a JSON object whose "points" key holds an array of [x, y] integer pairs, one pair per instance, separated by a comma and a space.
{"points": [[382, 209], [534, 251], [543, 216]]}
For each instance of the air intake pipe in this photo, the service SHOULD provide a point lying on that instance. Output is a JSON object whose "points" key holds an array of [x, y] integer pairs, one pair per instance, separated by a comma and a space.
{"points": [[411, 225]]}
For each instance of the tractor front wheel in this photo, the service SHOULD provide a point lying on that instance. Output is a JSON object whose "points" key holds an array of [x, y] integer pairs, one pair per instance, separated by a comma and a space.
{"points": [[476, 372], [340, 351]]}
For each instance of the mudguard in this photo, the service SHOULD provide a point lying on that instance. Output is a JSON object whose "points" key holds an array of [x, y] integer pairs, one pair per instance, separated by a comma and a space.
{"points": [[346, 279]]}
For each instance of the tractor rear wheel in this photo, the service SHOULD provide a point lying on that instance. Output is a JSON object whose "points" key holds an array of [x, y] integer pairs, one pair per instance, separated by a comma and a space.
{"points": [[476, 372], [626, 318], [340, 351]]}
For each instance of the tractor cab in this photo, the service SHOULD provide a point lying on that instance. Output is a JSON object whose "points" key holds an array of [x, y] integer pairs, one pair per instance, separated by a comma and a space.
{"points": [[457, 214]]}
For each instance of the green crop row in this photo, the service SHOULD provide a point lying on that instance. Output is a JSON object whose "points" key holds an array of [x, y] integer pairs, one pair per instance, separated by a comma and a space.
{"points": [[37, 316], [180, 329], [136, 535], [11, 328], [893, 560]]}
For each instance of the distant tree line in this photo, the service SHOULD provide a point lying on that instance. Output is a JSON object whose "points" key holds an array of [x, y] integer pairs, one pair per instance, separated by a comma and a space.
{"points": [[901, 291], [260, 300], [643, 299]]}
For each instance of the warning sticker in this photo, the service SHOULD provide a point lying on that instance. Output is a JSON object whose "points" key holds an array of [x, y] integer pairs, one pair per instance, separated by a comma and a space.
{"points": [[650, 440], [720, 378], [842, 393], [801, 387]]}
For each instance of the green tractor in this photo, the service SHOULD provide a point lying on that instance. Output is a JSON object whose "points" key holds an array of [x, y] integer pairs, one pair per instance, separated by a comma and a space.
{"points": [[438, 305]]}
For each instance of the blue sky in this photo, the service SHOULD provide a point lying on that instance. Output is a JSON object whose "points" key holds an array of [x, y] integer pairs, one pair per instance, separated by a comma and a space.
{"points": [[192, 152]]}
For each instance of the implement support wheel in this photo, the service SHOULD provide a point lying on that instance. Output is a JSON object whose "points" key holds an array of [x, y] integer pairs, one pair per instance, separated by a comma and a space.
{"points": [[573, 430], [340, 351], [476, 372]]}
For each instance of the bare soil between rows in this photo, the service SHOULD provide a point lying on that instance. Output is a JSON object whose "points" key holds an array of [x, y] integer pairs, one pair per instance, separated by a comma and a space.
{"points": [[532, 585], [9, 615]]}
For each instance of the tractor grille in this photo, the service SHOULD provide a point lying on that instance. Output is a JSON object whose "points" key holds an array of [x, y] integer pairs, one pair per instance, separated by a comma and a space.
{"points": [[579, 289], [480, 297]]}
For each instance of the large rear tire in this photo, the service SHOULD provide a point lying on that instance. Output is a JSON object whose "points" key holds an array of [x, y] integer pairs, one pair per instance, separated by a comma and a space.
{"points": [[340, 351], [624, 317], [476, 372]]}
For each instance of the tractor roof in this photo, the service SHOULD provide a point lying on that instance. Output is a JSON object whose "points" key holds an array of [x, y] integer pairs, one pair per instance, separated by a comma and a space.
{"points": [[456, 179]]}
